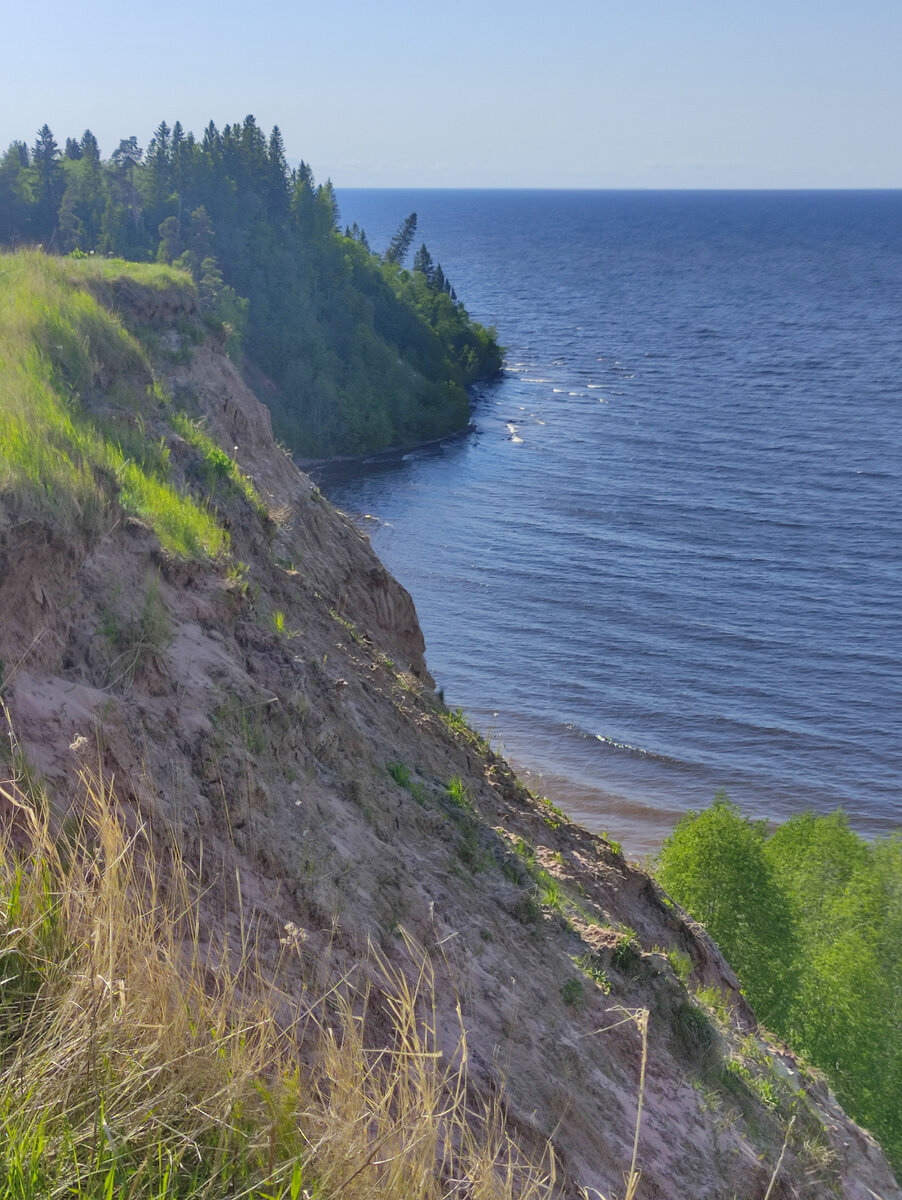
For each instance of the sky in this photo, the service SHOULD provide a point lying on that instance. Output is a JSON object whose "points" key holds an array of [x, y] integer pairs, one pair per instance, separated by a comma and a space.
{"points": [[484, 93]]}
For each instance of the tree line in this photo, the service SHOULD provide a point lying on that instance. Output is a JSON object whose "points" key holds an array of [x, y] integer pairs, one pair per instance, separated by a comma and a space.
{"points": [[359, 353]]}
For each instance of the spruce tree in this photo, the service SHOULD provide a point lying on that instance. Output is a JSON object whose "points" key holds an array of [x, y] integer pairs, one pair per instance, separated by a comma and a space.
{"points": [[49, 184], [423, 263], [401, 242]]}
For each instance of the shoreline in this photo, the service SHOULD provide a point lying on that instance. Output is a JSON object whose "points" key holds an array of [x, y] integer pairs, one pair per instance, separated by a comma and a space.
{"points": [[390, 454]]}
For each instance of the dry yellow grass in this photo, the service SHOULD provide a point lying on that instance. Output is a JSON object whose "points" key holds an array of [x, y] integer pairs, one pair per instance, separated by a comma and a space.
{"points": [[141, 1059]]}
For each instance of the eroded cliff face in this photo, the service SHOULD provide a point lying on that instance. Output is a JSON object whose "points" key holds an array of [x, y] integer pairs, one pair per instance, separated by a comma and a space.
{"points": [[274, 714]]}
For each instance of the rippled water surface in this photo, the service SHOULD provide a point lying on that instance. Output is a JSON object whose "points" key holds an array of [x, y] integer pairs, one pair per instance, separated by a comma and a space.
{"points": [[669, 558]]}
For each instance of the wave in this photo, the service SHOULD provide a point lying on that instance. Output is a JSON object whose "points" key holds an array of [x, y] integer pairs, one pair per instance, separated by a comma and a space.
{"points": [[636, 751], [623, 747]]}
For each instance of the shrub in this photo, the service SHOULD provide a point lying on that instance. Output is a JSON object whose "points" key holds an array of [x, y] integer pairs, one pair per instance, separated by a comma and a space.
{"points": [[810, 917], [572, 993], [715, 865]]}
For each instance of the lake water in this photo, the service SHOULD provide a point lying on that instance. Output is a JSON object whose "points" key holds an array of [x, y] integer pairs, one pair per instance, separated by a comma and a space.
{"points": [[668, 560]]}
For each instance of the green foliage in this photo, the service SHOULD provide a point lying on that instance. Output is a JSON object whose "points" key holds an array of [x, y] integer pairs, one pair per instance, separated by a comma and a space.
{"points": [[681, 964], [459, 793], [217, 471], [616, 846], [402, 241], [60, 350], [572, 993], [400, 773], [348, 625], [701, 864], [591, 965], [361, 353], [626, 953], [811, 918], [694, 1035], [555, 815], [460, 727]]}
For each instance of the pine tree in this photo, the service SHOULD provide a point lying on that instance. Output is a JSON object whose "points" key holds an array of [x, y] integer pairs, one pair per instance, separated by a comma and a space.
{"points": [[88, 188], [158, 174], [277, 174], [401, 242], [49, 184], [423, 262], [125, 159], [89, 148]]}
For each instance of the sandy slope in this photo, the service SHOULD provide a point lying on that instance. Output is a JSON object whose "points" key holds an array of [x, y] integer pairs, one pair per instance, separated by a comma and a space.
{"points": [[261, 729]]}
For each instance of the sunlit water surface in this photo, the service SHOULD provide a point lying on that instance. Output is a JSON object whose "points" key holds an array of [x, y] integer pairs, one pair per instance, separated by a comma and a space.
{"points": [[668, 560]]}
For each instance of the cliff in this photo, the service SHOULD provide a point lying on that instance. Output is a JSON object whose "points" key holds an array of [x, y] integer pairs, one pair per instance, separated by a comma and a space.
{"points": [[262, 703]]}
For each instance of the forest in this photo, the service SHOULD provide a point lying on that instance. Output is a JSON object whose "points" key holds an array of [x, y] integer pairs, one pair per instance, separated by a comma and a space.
{"points": [[353, 351]]}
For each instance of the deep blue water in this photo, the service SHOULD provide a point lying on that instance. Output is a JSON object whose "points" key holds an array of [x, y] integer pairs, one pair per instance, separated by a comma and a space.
{"points": [[669, 558]]}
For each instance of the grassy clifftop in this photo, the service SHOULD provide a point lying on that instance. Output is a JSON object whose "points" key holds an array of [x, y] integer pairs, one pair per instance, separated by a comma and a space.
{"points": [[78, 395]]}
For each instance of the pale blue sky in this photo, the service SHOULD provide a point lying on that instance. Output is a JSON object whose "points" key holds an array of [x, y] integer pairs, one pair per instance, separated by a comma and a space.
{"points": [[484, 93]]}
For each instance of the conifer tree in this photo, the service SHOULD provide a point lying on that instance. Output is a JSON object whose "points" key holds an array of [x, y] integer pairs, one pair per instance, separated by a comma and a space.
{"points": [[423, 263], [277, 174], [49, 183], [401, 242], [158, 186], [89, 147]]}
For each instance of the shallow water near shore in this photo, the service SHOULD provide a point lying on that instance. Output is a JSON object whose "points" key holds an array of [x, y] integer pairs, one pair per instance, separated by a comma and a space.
{"points": [[669, 558]]}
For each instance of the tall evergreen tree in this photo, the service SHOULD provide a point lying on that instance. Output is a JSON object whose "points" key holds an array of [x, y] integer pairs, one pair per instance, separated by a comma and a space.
{"points": [[158, 186], [423, 263], [89, 147], [277, 174], [402, 241], [70, 227], [125, 159], [49, 184]]}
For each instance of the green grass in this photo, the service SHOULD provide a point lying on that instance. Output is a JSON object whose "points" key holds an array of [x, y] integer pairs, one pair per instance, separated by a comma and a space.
{"points": [[400, 773], [217, 470], [458, 725], [572, 993], [64, 356]]}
